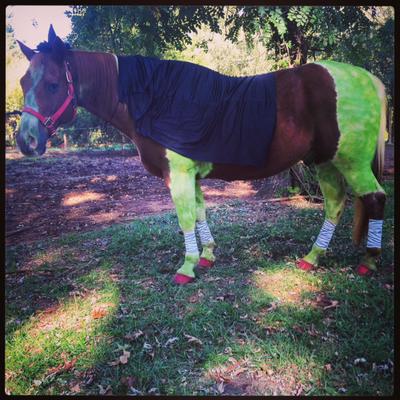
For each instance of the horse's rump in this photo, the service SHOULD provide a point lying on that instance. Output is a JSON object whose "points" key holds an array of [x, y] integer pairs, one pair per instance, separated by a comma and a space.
{"points": [[198, 112]]}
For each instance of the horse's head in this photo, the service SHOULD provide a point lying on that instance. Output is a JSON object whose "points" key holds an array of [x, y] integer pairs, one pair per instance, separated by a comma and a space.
{"points": [[48, 94]]}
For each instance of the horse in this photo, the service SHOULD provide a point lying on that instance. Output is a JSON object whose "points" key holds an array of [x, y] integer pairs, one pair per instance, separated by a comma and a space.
{"points": [[327, 113]]}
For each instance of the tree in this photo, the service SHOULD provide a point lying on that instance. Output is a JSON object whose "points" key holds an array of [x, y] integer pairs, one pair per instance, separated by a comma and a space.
{"points": [[146, 30], [16, 64]]}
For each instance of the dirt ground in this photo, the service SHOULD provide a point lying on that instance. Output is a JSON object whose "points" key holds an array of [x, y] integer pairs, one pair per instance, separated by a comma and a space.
{"points": [[69, 192]]}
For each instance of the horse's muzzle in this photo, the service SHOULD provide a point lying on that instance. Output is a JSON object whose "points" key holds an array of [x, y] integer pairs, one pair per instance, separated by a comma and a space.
{"points": [[31, 145]]}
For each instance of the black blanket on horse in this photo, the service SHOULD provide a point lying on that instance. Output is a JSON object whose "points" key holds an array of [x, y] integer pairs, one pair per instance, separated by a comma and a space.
{"points": [[198, 112]]}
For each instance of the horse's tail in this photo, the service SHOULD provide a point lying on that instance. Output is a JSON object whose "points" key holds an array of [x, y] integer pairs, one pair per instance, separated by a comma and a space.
{"points": [[360, 223]]}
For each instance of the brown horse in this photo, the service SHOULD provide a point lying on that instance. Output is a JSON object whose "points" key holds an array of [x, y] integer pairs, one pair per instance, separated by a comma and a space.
{"points": [[328, 113]]}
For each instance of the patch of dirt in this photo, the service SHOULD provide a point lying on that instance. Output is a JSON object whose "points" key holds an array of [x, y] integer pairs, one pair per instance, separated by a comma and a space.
{"points": [[69, 192]]}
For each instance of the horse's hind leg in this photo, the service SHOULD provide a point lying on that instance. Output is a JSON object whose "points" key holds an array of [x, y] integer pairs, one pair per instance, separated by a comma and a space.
{"points": [[207, 257], [182, 176], [371, 199], [334, 190]]}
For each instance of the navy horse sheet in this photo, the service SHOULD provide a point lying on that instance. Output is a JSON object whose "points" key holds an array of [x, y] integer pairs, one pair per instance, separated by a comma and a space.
{"points": [[200, 113]]}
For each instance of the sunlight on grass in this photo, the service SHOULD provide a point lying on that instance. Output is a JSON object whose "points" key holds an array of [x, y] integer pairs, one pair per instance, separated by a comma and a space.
{"points": [[286, 285], [58, 338], [75, 198]]}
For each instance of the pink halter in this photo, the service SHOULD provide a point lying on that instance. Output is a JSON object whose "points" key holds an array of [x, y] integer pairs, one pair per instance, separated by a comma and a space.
{"points": [[49, 122]]}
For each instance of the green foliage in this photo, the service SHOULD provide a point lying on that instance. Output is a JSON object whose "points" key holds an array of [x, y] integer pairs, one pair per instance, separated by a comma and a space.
{"points": [[214, 51], [145, 30]]}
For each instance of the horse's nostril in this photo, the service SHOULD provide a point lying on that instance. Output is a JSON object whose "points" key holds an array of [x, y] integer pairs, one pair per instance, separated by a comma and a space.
{"points": [[33, 143]]}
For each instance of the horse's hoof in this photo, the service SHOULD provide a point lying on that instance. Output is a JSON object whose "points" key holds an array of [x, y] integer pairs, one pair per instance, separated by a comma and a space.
{"points": [[363, 270], [204, 263], [304, 265], [181, 279]]}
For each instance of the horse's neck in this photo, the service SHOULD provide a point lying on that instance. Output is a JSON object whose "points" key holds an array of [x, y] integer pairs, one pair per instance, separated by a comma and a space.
{"points": [[97, 86]]}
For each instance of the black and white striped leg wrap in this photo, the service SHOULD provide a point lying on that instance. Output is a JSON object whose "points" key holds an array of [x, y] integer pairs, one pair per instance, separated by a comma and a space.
{"points": [[375, 233], [204, 232], [191, 243], [325, 234]]}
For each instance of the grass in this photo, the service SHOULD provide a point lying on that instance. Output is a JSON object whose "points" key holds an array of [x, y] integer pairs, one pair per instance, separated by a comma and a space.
{"points": [[96, 313]]}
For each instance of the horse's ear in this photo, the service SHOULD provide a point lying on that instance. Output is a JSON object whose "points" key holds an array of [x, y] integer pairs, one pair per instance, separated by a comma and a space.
{"points": [[52, 35], [28, 53], [58, 50]]}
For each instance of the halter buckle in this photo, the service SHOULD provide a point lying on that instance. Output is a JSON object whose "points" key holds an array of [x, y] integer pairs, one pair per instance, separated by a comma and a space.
{"points": [[68, 74], [48, 123]]}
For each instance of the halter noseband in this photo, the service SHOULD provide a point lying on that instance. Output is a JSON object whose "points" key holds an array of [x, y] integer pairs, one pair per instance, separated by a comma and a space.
{"points": [[49, 122]]}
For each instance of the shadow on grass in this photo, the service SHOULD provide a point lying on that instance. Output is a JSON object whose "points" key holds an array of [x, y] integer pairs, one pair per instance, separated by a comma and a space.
{"points": [[252, 325]]}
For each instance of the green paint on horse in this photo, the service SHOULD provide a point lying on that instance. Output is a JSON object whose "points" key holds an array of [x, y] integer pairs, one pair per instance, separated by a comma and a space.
{"points": [[361, 105], [188, 199], [359, 116]]}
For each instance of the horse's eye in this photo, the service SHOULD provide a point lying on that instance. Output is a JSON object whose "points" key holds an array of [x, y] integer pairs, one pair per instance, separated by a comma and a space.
{"points": [[52, 87]]}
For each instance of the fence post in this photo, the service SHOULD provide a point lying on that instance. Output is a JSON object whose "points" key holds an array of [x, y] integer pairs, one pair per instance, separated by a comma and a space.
{"points": [[65, 141]]}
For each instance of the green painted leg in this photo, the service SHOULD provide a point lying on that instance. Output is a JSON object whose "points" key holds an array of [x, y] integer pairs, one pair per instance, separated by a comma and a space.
{"points": [[182, 186], [207, 258], [369, 191], [361, 115], [334, 190]]}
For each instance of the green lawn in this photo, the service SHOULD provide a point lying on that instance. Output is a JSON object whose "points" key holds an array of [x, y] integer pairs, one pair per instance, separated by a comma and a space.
{"points": [[97, 313]]}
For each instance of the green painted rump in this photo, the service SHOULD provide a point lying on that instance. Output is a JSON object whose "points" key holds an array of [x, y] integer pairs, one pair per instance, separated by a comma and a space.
{"points": [[358, 116]]}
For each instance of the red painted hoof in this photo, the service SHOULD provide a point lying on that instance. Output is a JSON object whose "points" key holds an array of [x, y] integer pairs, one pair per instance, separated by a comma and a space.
{"points": [[304, 265], [181, 279], [204, 263], [362, 270]]}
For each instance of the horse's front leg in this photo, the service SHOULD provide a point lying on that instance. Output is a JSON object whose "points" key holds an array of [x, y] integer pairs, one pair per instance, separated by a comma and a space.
{"points": [[181, 182]]}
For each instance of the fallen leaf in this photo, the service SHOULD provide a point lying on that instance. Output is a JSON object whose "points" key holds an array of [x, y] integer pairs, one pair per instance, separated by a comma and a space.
{"points": [[124, 358], [192, 339], [170, 341], [76, 388], [328, 367], [334, 303], [63, 367], [134, 335], [99, 313], [220, 387], [104, 391], [359, 361]]}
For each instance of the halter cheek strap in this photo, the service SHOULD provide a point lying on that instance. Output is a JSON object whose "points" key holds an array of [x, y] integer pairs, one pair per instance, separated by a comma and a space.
{"points": [[50, 122]]}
